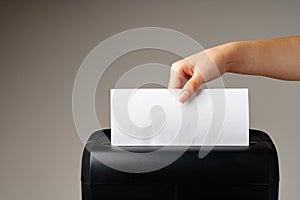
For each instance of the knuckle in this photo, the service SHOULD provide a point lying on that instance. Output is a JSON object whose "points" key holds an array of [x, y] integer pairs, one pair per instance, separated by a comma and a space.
{"points": [[177, 65], [194, 85]]}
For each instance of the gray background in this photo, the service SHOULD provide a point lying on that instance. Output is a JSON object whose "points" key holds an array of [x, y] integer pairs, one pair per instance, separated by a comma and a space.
{"points": [[43, 43]]}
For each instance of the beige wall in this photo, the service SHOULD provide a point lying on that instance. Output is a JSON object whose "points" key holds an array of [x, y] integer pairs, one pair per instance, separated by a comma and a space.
{"points": [[43, 43]]}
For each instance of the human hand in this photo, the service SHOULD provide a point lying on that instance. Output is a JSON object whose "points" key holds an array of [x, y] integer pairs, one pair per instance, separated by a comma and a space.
{"points": [[276, 58], [191, 72]]}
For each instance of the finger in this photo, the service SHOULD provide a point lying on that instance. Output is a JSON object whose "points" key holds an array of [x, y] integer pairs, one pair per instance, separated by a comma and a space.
{"points": [[178, 74], [175, 79], [191, 86]]}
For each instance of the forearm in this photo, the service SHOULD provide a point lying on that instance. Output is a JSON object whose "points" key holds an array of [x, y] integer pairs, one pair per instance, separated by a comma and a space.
{"points": [[276, 58]]}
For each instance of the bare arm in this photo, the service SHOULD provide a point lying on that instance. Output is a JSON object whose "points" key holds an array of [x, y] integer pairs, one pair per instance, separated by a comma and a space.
{"points": [[276, 58]]}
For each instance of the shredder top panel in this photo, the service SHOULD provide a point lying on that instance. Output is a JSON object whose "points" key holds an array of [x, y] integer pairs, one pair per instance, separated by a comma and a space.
{"points": [[255, 164]]}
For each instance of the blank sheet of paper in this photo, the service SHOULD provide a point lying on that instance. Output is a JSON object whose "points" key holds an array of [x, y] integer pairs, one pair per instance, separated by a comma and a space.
{"points": [[155, 117]]}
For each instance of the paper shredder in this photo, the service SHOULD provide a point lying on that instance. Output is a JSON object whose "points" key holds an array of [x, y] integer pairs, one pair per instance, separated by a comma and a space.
{"points": [[225, 173]]}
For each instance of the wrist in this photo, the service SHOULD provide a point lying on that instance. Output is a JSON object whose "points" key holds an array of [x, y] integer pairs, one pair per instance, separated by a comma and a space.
{"points": [[239, 54], [230, 54]]}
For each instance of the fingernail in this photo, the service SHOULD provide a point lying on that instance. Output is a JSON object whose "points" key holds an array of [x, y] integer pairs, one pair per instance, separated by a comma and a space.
{"points": [[185, 95]]}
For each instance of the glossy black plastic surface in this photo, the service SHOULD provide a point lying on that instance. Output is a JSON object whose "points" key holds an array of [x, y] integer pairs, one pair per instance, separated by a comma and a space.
{"points": [[225, 173]]}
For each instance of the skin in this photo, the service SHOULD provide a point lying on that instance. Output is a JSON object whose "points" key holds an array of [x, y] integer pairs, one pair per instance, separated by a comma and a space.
{"points": [[275, 58]]}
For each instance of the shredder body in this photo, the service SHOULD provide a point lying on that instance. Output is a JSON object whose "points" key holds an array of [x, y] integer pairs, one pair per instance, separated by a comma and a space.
{"points": [[241, 173]]}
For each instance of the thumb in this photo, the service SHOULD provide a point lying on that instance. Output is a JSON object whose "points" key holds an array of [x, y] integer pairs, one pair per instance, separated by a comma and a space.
{"points": [[191, 86]]}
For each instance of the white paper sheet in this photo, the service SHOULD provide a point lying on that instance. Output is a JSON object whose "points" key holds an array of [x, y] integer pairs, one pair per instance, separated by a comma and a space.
{"points": [[155, 117]]}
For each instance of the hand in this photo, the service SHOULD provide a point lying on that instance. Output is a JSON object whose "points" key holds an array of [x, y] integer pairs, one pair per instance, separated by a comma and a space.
{"points": [[276, 58], [194, 70]]}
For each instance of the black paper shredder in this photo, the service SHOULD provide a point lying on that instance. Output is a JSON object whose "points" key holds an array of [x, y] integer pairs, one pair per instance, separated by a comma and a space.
{"points": [[241, 173]]}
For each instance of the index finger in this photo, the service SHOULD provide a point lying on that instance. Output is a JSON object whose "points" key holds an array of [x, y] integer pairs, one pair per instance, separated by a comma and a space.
{"points": [[178, 75]]}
